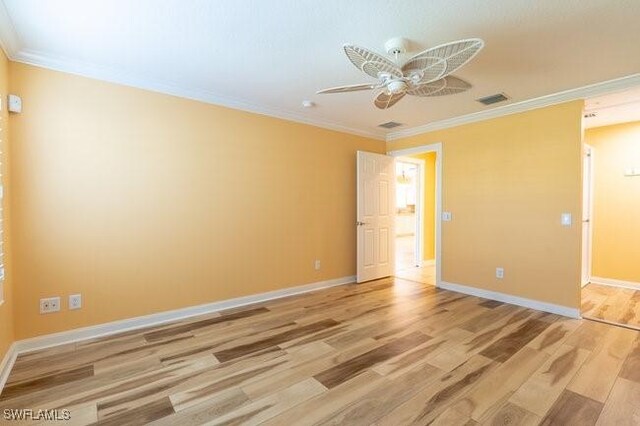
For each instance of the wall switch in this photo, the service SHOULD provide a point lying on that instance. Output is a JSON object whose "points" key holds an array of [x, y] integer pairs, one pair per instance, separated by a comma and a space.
{"points": [[565, 219], [500, 273], [75, 301], [50, 304], [446, 216], [316, 265]]}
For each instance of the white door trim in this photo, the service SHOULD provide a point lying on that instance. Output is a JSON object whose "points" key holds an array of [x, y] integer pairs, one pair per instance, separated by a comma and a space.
{"points": [[588, 174], [437, 148], [419, 216]]}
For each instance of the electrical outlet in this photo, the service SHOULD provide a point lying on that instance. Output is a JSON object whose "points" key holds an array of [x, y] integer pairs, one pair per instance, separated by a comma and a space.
{"points": [[49, 305], [75, 301], [45, 306], [316, 265], [500, 273]]}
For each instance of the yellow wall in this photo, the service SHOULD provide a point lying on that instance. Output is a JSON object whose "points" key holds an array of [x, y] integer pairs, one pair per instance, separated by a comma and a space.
{"points": [[6, 310], [616, 221], [429, 214], [144, 202], [506, 182]]}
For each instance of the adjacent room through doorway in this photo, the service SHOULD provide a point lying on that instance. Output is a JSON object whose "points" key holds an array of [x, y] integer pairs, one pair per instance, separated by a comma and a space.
{"points": [[611, 223], [415, 217], [407, 214]]}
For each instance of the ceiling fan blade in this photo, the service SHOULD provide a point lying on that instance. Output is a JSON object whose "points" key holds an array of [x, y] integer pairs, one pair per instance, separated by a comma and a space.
{"points": [[370, 62], [351, 88], [440, 61], [449, 85], [386, 100]]}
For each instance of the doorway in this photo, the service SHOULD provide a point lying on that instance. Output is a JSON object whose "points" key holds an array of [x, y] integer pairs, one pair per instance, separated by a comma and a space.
{"points": [[611, 200], [408, 218], [418, 179]]}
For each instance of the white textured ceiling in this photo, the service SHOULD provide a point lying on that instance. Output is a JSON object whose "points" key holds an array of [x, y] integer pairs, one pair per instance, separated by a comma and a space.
{"points": [[269, 55]]}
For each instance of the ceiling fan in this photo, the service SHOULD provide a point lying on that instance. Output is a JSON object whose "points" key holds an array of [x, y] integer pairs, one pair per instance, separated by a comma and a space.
{"points": [[426, 74]]}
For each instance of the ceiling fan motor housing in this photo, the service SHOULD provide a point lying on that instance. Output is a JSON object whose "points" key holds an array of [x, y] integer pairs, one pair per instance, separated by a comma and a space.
{"points": [[396, 46]]}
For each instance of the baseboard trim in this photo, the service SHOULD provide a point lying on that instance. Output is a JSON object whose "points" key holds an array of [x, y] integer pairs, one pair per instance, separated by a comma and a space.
{"points": [[617, 324], [513, 300], [115, 327], [7, 364], [615, 283]]}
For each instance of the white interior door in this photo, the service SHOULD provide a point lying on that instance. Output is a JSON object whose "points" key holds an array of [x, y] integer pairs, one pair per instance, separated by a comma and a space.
{"points": [[587, 206], [375, 216]]}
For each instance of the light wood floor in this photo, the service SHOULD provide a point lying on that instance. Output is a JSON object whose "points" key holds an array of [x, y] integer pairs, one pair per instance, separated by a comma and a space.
{"points": [[405, 252], [424, 274], [611, 304], [406, 263], [390, 352]]}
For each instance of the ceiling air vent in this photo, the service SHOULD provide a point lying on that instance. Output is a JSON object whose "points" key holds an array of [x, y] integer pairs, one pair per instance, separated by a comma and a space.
{"points": [[488, 100], [590, 115], [389, 125]]}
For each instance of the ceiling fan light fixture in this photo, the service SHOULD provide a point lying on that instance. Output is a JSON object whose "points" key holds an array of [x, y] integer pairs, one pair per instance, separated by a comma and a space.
{"points": [[426, 74], [397, 86]]}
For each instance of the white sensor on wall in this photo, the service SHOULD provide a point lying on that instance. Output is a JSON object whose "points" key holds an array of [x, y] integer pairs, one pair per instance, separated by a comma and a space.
{"points": [[15, 104], [75, 301]]}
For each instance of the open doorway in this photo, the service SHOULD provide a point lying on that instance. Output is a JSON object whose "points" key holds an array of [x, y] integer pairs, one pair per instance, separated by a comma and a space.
{"points": [[611, 202], [409, 173], [415, 238]]}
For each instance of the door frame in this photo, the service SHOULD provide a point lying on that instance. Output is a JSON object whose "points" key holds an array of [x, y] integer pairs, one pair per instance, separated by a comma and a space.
{"points": [[587, 260], [437, 148], [419, 215]]}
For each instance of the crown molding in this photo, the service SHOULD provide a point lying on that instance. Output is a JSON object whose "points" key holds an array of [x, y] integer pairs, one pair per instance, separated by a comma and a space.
{"points": [[111, 75], [583, 92], [10, 43]]}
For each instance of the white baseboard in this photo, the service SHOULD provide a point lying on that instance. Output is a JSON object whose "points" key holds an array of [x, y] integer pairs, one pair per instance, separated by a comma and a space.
{"points": [[106, 329], [615, 283], [7, 364], [514, 300]]}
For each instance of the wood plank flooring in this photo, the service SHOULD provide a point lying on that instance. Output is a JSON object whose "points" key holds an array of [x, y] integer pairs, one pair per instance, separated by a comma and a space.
{"points": [[614, 305], [389, 352]]}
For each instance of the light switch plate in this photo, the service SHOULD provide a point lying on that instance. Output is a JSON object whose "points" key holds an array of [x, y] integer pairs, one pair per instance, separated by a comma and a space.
{"points": [[632, 171], [565, 219], [446, 216]]}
